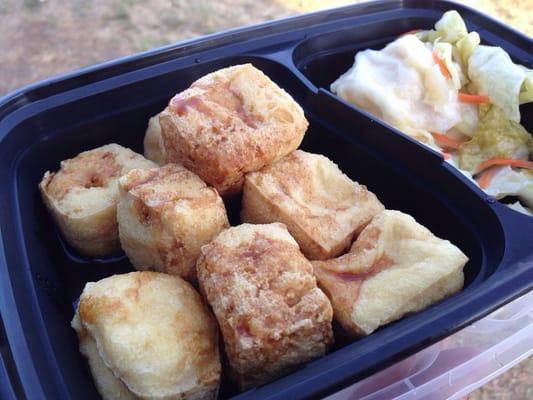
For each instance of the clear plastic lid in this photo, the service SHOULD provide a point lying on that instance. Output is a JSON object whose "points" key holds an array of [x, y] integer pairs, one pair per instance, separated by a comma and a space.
{"points": [[458, 364]]}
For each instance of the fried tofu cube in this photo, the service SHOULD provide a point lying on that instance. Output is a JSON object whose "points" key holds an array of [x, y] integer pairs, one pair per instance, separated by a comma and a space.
{"points": [[228, 123], [396, 266], [262, 290], [165, 215], [148, 335], [82, 197], [323, 209], [154, 148]]}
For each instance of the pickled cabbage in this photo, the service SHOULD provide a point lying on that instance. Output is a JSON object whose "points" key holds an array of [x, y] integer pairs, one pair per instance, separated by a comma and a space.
{"points": [[490, 69], [463, 49], [495, 136], [469, 117], [403, 86], [526, 91], [444, 52], [494, 74], [449, 28], [510, 182]]}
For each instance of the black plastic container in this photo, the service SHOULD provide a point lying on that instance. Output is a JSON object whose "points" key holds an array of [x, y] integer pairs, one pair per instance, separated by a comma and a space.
{"points": [[40, 278]]}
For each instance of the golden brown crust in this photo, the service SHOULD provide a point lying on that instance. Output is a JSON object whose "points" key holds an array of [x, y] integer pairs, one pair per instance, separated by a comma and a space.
{"points": [[82, 197], [230, 122], [87, 170], [165, 215], [395, 266], [323, 209], [264, 295], [148, 335]]}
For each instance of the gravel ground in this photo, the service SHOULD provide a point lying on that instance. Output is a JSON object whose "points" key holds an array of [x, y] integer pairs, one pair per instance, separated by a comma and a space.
{"points": [[43, 38], [515, 384]]}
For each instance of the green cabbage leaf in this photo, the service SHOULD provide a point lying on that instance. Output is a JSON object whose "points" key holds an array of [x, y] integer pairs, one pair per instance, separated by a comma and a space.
{"points": [[495, 136], [494, 74]]}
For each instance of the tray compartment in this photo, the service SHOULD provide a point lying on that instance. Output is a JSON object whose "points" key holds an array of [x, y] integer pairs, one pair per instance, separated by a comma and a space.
{"points": [[321, 59], [45, 134], [59, 274]]}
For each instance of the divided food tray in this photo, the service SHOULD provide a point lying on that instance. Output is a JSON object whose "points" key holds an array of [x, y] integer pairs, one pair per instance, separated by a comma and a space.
{"points": [[41, 278]]}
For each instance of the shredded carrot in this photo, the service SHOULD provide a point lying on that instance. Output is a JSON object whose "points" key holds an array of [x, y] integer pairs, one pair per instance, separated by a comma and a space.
{"points": [[511, 162], [484, 178], [473, 98], [411, 32], [446, 141], [443, 70]]}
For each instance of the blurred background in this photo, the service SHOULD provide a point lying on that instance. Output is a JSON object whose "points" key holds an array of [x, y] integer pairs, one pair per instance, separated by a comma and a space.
{"points": [[41, 38]]}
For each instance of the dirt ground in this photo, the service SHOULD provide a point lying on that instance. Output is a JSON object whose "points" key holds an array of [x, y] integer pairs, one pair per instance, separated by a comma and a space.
{"points": [[41, 38]]}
